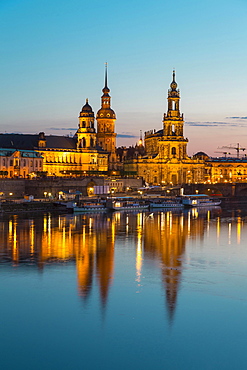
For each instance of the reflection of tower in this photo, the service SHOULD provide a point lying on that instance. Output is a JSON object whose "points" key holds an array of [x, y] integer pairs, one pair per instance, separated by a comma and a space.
{"points": [[168, 243], [105, 260], [84, 266], [106, 118]]}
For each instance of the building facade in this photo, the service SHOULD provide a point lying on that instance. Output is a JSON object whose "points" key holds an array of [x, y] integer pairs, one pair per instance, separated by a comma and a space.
{"points": [[161, 160], [165, 160], [20, 163], [87, 153]]}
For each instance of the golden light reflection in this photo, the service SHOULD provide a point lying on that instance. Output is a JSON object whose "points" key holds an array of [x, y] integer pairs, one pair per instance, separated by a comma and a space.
{"points": [[140, 229], [239, 226], [32, 237], [229, 233], [218, 230], [90, 242], [188, 225]]}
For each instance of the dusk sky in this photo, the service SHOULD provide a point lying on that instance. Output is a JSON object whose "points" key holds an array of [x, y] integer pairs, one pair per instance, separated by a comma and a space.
{"points": [[53, 56]]}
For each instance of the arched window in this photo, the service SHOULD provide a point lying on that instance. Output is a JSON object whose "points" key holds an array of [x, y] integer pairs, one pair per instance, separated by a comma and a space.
{"points": [[173, 150]]}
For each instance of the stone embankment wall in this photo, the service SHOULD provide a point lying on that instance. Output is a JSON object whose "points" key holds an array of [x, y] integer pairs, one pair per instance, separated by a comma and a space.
{"points": [[14, 186], [30, 207], [54, 186], [37, 187]]}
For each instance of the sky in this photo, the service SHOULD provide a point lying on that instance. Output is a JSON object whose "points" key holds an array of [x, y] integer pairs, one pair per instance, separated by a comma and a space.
{"points": [[53, 56]]}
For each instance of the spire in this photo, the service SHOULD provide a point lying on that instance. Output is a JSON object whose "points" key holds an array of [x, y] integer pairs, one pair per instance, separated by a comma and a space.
{"points": [[106, 90], [174, 83], [106, 74]]}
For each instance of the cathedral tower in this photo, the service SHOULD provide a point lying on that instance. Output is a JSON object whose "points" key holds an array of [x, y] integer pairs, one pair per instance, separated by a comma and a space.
{"points": [[106, 136], [86, 135], [173, 123]]}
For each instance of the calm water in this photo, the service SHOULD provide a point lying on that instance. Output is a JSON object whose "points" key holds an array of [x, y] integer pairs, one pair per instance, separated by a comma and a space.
{"points": [[124, 291]]}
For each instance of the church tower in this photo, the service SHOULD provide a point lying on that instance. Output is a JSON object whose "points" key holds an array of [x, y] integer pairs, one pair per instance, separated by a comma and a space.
{"points": [[173, 142], [86, 135], [106, 136]]}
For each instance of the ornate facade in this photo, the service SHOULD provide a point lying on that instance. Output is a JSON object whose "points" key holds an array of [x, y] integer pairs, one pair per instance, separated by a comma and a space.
{"points": [[162, 160], [106, 118], [87, 153], [165, 160]]}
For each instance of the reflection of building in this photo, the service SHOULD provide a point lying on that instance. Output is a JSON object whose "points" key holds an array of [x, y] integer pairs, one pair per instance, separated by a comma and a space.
{"points": [[168, 243], [88, 241]]}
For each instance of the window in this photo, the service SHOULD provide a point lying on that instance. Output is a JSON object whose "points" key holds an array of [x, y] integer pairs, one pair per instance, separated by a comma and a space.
{"points": [[173, 151]]}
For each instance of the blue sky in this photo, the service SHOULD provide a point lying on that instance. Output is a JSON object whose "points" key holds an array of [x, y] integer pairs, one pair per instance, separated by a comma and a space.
{"points": [[53, 54]]}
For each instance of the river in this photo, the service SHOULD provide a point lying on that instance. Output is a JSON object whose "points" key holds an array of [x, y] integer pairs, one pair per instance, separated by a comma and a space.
{"points": [[141, 290]]}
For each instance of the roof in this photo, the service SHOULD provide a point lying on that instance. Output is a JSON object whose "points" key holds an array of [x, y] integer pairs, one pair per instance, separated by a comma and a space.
{"points": [[24, 153], [30, 142]]}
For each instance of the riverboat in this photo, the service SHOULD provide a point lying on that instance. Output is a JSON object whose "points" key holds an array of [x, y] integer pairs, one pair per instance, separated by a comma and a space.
{"points": [[199, 200], [123, 203], [166, 203], [88, 207]]}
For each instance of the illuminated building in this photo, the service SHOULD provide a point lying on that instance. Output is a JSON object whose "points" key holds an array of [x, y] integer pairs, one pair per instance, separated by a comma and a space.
{"points": [[161, 159], [106, 118], [20, 163], [87, 152], [165, 160]]}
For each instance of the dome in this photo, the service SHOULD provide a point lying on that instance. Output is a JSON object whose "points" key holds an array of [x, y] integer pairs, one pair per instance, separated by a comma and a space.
{"points": [[174, 85], [106, 113], [87, 110], [106, 90]]}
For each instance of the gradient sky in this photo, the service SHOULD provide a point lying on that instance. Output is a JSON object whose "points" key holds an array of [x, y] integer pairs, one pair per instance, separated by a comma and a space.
{"points": [[53, 54]]}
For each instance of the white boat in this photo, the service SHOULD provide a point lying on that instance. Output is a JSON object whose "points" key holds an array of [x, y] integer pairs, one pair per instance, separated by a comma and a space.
{"points": [[166, 203], [89, 207], [123, 203], [199, 200]]}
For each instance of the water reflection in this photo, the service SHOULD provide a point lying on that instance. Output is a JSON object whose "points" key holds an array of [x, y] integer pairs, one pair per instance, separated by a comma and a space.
{"points": [[90, 241]]}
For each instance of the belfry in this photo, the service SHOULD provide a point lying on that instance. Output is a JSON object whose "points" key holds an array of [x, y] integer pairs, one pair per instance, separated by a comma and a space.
{"points": [[106, 118], [165, 160], [175, 145]]}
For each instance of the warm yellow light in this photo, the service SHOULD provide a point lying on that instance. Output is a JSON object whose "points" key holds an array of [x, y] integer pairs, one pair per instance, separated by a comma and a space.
{"points": [[10, 193]]}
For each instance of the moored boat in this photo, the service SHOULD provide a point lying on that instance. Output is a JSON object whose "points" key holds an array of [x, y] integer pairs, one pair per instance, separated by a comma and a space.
{"points": [[88, 207], [166, 203], [199, 200], [123, 203]]}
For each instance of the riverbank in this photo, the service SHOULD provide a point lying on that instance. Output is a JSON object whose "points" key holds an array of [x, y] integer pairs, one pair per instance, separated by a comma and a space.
{"points": [[35, 206]]}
